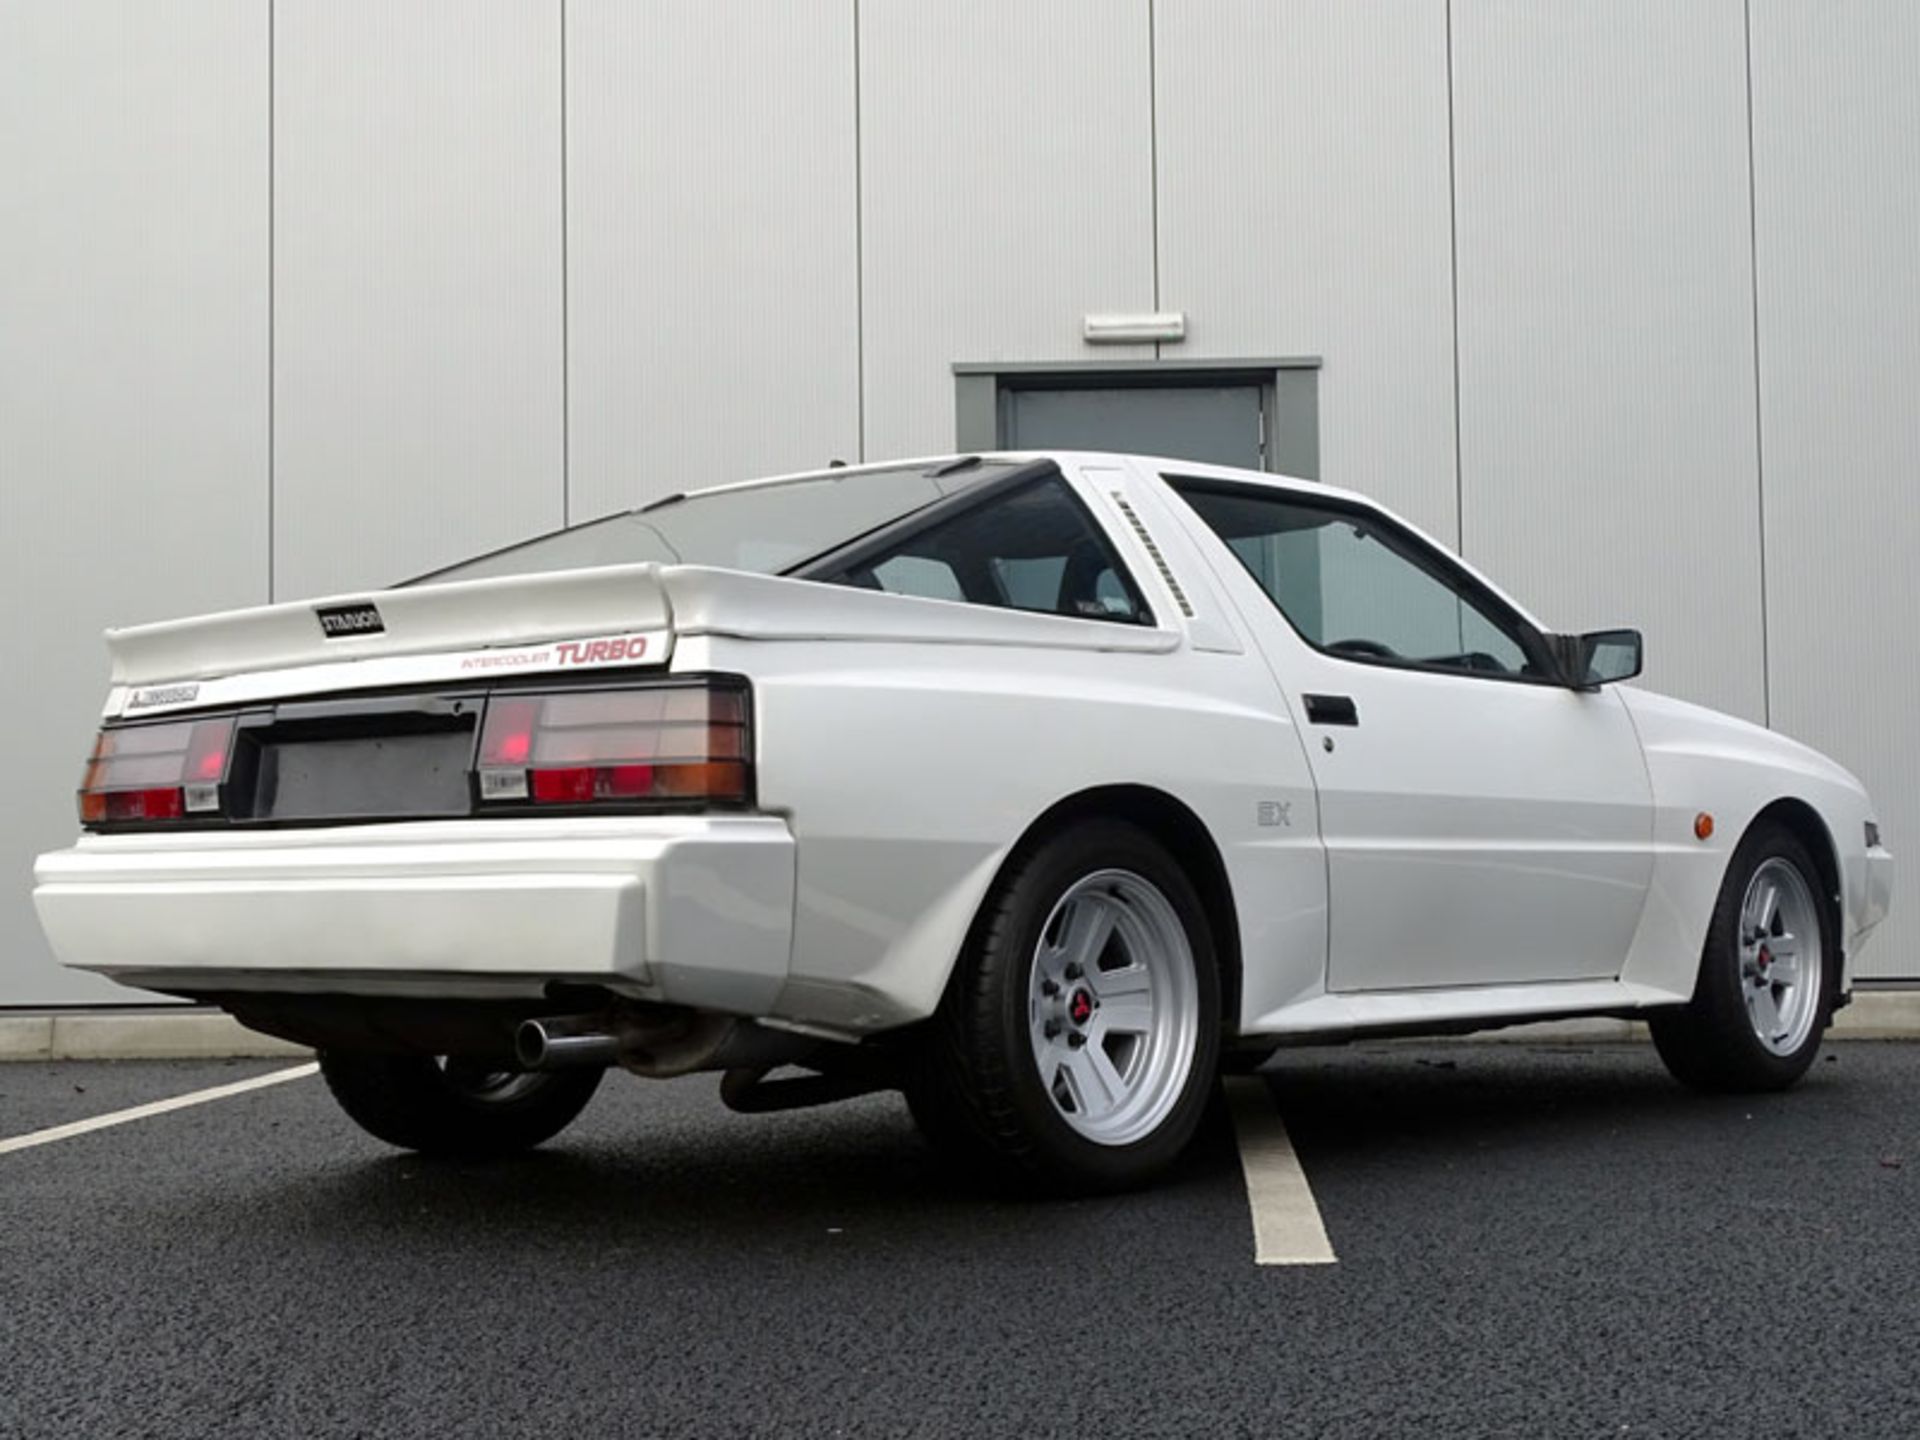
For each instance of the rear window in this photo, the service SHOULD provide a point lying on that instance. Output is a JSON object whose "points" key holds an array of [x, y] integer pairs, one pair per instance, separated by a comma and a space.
{"points": [[1032, 547], [768, 529]]}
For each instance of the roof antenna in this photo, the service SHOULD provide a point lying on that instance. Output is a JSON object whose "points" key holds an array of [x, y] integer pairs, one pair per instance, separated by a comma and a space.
{"points": [[836, 464]]}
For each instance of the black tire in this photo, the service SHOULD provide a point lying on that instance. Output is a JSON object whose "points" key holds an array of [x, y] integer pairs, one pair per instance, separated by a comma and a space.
{"points": [[974, 1085], [1710, 1043], [451, 1110]]}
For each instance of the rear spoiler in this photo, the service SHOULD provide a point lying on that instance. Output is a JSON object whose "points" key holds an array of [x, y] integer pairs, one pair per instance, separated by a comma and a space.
{"points": [[463, 615]]}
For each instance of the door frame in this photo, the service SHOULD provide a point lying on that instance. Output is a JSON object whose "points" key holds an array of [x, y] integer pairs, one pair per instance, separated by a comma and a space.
{"points": [[1289, 394]]}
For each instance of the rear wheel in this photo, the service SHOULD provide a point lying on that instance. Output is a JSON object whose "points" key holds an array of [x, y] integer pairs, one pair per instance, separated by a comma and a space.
{"points": [[1764, 995], [1078, 1039], [459, 1109]]}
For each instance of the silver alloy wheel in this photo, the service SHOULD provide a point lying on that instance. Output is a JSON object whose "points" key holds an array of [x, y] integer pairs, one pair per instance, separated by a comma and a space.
{"points": [[1781, 962], [1113, 1007], [484, 1083]]}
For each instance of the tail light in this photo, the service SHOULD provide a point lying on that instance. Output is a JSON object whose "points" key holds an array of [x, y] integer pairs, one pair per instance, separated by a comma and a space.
{"points": [[156, 772], [674, 744]]}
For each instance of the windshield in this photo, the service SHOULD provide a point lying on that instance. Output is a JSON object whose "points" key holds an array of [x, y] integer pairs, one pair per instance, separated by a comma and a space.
{"points": [[768, 529]]}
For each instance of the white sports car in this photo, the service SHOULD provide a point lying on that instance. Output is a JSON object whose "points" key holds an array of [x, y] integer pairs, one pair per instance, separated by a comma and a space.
{"points": [[1038, 786]]}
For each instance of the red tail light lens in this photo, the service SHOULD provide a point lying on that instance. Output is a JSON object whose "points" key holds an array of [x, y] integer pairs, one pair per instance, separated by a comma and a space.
{"points": [[681, 744], [678, 743], [156, 772]]}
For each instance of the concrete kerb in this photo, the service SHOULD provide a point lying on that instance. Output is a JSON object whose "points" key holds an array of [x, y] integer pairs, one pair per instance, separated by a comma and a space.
{"points": [[1879, 1015], [208, 1035], [123, 1035]]}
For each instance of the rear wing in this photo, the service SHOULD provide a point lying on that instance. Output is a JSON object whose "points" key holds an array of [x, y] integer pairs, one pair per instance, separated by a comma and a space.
{"points": [[505, 611]]}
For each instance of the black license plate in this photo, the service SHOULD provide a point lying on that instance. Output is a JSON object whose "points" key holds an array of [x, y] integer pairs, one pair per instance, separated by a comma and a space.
{"points": [[365, 776]]}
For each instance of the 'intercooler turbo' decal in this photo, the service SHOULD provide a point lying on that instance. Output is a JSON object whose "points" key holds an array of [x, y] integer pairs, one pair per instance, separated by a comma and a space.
{"points": [[564, 653], [651, 647]]}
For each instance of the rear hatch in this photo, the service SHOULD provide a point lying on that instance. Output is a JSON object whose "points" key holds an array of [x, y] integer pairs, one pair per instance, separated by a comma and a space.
{"points": [[517, 695]]}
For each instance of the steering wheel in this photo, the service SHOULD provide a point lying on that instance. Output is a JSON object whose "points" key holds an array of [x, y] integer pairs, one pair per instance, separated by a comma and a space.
{"points": [[1364, 647]]}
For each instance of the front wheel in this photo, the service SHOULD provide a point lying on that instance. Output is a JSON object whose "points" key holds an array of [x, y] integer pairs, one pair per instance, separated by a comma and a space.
{"points": [[1078, 1039], [454, 1108], [1764, 995]]}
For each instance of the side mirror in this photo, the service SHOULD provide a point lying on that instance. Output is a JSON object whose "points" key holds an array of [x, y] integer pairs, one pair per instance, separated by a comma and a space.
{"points": [[1599, 657]]}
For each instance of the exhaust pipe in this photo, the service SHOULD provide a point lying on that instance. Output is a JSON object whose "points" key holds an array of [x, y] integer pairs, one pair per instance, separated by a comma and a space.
{"points": [[660, 1042], [554, 1045]]}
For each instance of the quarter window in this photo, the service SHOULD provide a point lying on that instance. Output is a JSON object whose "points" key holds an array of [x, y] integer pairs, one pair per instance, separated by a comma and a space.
{"points": [[1360, 589], [1033, 548]]}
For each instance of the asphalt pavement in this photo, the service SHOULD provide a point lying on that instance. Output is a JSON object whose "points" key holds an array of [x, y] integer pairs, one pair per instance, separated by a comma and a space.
{"points": [[1531, 1240]]}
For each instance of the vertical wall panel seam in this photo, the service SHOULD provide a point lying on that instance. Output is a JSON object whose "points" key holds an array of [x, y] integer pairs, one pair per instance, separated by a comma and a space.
{"points": [[1153, 149], [859, 257], [566, 301], [1453, 267], [272, 299], [1759, 431]]}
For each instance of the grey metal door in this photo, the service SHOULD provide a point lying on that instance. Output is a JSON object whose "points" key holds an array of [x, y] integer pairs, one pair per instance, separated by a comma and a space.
{"points": [[1218, 424]]}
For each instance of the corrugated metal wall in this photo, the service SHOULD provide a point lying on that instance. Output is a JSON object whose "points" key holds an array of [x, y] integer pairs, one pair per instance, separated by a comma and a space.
{"points": [[712, 244], [1607, 430], [417, 282], [1006, 189], [1304, 210], [133, 379], [304, 295], [1837, 208]]}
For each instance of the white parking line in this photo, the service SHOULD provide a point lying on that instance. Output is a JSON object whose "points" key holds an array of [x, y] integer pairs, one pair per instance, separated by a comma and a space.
{"points": [[157, 1107], [1286, 1222]]}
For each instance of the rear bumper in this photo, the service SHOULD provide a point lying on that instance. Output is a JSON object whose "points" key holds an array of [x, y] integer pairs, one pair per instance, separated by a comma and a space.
{"points": [[693, 910]]}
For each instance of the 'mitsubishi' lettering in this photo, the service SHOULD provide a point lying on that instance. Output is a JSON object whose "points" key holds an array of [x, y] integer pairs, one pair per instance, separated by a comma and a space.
{"points": [[163, 695], [601, 652]]}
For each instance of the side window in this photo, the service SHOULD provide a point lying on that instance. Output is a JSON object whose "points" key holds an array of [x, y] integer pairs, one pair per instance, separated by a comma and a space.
{"points": [[1034, 548], [1359, 589], [916, 575]]}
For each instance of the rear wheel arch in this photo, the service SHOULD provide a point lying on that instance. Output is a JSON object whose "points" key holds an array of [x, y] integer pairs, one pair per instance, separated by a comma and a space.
{"points": [[1186, 839]]}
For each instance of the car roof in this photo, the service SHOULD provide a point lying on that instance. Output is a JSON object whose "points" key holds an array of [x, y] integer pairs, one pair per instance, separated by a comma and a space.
{"points": [[1160, 464]]}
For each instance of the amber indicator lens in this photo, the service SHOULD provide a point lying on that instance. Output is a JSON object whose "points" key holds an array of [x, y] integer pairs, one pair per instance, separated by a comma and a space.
{"points": [[156, 772]]}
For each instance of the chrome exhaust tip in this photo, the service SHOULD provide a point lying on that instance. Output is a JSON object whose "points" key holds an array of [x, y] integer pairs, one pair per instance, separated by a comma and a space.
{"points": [[546, 1045]]}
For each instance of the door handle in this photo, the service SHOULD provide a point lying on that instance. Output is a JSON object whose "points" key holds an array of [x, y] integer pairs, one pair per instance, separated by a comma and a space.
{"points": [[1331, 710]]}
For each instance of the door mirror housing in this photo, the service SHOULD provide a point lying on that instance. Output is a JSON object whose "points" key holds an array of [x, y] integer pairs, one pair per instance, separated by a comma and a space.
{"points": [[1599, 657]]}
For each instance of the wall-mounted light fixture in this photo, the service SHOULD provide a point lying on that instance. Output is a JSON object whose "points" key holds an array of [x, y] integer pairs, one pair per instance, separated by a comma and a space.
{"points": [[1161, 327]]}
